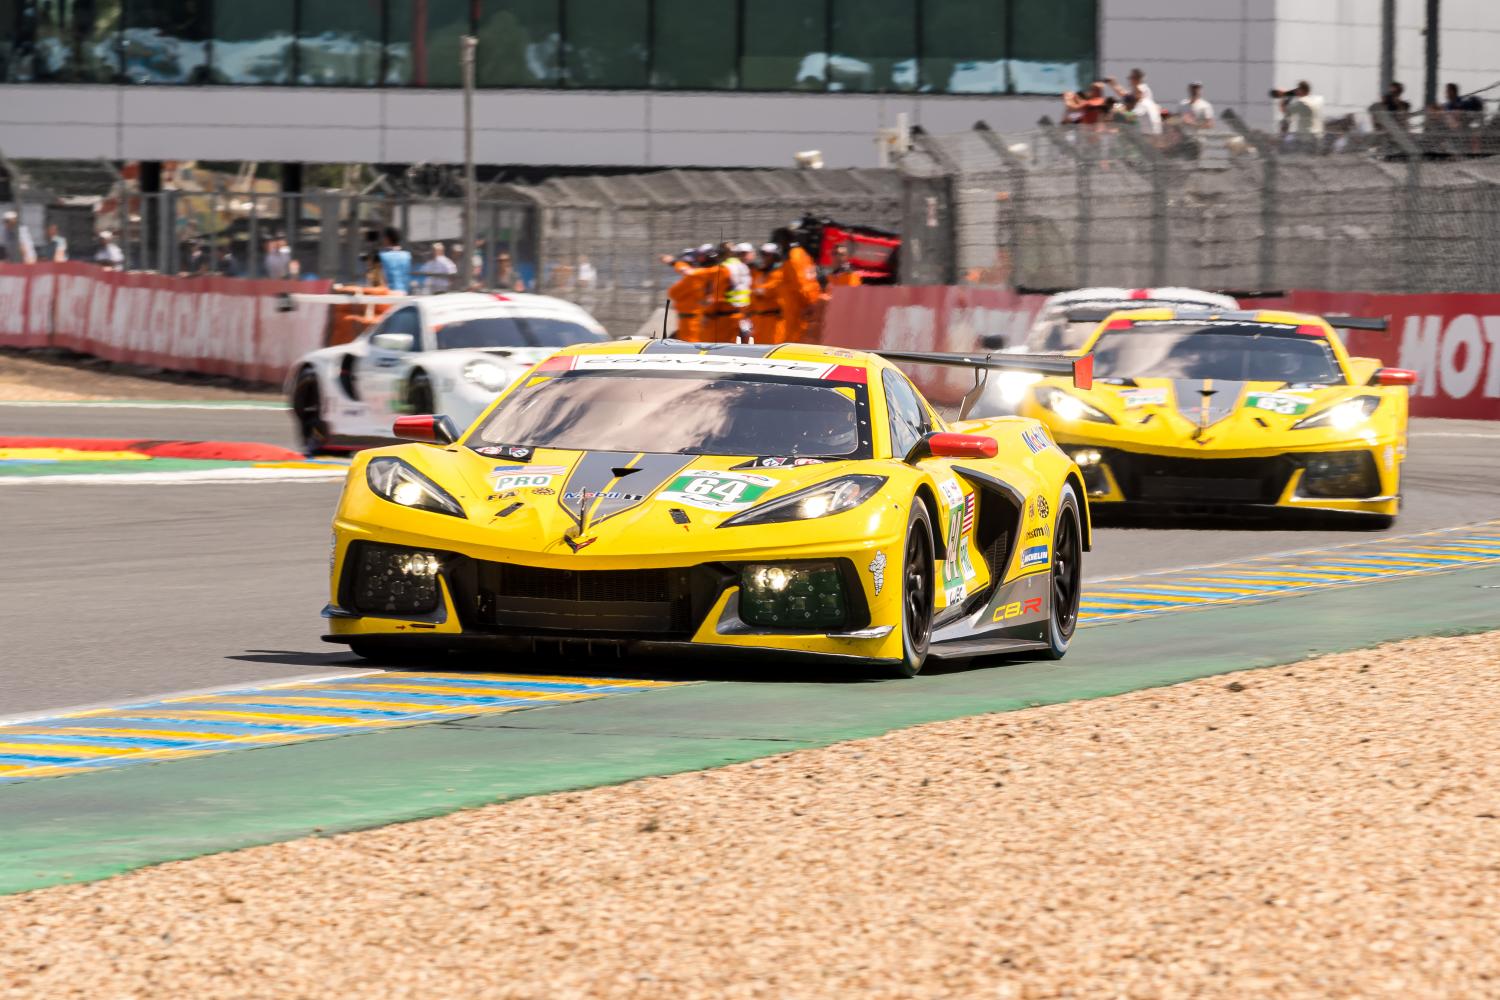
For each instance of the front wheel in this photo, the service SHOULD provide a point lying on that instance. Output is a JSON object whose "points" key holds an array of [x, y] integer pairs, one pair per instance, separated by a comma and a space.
{"points": [[389, 653], [1067, 575], [916, 593]]}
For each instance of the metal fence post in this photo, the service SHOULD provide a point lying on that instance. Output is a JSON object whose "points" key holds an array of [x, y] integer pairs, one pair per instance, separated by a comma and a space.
{"points": [[1408, 214], [1270, 161], [1160, 222], [1083, 237], [1017, 196]]}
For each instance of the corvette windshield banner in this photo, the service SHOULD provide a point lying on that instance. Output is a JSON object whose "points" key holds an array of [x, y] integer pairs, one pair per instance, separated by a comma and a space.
{"points": [[210, 325]]}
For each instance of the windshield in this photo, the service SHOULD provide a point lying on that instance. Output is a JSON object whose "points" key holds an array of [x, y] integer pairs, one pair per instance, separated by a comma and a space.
{"points": [[1052, 333], [684, 414], [1237, 353], [513, 331]]}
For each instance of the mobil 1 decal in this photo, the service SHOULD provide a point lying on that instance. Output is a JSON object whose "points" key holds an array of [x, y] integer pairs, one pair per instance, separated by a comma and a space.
{"points": [[710, 489]]}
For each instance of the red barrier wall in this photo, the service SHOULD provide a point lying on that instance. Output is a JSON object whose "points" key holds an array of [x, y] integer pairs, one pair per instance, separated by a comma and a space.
{"points": [[211, 325], [1451, 340]]}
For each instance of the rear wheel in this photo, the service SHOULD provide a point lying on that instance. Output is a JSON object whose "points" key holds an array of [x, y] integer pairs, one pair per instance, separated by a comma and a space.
{"points": [[419, 395], [1067, 575], [307, 411], [916, 593]]}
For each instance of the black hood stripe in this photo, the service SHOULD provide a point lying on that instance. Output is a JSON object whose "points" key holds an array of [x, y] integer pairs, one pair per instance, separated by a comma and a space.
{"points": [[722, 350], [1206, 401], [595, 473]]}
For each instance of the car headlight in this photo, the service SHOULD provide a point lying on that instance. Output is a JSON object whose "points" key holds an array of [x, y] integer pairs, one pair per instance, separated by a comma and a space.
{"points": [[486, 375], [1069, 407], [1012, 386], [832, 497], [394, 480], [1343, 416]]}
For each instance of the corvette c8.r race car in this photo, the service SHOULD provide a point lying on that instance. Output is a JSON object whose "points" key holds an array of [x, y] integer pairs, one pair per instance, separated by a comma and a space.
{"points": [[781, 500], [1240, 412]]}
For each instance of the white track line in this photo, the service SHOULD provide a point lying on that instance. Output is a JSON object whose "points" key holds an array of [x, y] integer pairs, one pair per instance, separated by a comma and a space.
{"points": [[1452, 434], [53, 713], [190, 477]]}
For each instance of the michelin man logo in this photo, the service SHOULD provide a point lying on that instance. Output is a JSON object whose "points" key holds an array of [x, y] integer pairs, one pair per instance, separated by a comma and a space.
{"points": [[877, 571]]}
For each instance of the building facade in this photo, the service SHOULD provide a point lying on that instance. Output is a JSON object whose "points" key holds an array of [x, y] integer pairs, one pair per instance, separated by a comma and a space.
{"points": [[628, 83]]}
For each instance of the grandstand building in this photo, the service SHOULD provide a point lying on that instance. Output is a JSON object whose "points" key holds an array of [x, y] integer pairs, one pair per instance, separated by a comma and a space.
{"points": [[644, 83]]}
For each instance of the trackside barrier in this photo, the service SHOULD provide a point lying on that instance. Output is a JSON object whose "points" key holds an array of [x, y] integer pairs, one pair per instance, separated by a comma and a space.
{"points": [[208, 325], [1451, 339]]}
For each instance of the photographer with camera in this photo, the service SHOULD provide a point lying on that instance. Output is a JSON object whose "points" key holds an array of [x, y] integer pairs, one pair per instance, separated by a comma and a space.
{"points": [[1302, 117]]}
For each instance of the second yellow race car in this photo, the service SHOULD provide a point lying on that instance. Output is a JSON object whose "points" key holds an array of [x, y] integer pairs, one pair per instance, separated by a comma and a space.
{"points": [[776, 500], [1250, 411]]}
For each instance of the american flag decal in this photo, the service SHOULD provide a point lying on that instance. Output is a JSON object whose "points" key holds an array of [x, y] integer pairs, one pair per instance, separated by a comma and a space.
{"points": [[968, 513]]}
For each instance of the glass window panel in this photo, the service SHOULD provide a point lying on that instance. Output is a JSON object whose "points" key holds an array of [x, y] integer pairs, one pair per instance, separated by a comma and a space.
{"points": [[693, 44], [1053, 46], [12, 47], [606, 43], [874, 45], [166, 41], [422, 42], [253, 41], [786, 45], [963, 46], [339, 43], [71, 41], [519, 43]]}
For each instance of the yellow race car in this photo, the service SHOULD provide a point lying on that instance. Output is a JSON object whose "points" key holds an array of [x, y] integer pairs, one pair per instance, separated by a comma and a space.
{"points": [[781, 500], [1195, 411]]}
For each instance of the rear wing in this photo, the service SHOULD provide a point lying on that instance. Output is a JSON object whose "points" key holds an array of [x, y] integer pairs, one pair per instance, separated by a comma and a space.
{"points": [[1078, 367], [1338, 322], [288, 301]]}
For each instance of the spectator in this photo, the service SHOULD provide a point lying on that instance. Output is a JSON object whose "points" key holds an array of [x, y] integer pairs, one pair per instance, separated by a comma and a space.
{"points": [[1466, 110], [1087, 108], [1302, 116], [1147, 111], [200, 259], [439, 270], [278, 258], [395, 262], [55, 246], [1195, 111], [109, 255], [18, 246], [587, 275], [227, 264], [505, 273], [1394, 104]]}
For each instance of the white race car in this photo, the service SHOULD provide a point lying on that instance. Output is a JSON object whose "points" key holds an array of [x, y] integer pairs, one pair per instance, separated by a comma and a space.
{"points": [[1053, 331], [447, 354]]}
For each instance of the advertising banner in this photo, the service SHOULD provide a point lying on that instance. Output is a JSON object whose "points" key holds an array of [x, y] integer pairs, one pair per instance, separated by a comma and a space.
{"points": [[210, 325], [1451, 340]]}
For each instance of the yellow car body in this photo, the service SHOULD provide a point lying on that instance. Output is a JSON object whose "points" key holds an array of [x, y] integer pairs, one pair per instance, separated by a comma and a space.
{"points": [[1287, 442], [627, 548]]}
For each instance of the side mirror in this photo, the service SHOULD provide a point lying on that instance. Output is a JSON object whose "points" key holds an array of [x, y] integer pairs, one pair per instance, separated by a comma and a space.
{"points": [[993, 342], [432, 428], [948, 444], [1393, 376], [393, 341]]}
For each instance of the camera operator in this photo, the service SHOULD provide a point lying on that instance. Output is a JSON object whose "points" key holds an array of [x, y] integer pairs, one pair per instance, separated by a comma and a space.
{"points": [[1302, 117]]}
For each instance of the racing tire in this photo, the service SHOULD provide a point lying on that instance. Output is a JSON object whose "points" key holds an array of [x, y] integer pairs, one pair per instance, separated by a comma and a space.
{"points": [[917, 583], [419, 396], [1066, 578], [307, 411], [389, 653]]}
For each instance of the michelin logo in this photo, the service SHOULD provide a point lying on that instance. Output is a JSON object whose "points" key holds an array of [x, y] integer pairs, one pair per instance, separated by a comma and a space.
{"points": [[1036, 555]]}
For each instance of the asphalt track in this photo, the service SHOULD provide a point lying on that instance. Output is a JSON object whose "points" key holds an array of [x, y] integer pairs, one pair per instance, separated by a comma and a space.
{"points": [[127, 591]]}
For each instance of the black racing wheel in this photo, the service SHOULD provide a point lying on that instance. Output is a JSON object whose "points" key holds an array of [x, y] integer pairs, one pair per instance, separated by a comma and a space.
{"points": [[307, 411], [393, 654], [419, 397], [916, 592], [1067, 575]]}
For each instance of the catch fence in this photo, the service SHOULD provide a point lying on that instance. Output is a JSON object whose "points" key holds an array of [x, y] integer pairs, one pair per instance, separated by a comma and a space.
{"points": [[1393, 210], [596, 240]]}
